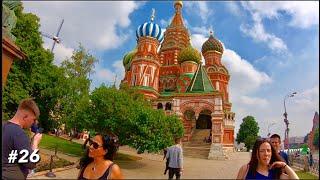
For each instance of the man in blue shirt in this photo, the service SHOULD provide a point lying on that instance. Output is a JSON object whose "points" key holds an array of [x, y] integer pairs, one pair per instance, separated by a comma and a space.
{"points": [[14, 138], [276, 143], [175, 157]]}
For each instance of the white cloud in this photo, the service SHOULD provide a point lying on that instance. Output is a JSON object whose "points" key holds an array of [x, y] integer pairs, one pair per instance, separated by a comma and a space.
{"points": [[95, 26], [254, 101], [165, 23], [197, 40], [233, 8], [60, 52], [201, 30], [244, 77], [308, 99], [303, 14], [201, 7], [258, 33], [107, 75]]}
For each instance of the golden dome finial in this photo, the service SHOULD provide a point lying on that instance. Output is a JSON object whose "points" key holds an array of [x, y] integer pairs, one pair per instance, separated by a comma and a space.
{"points": [[178, 3]]}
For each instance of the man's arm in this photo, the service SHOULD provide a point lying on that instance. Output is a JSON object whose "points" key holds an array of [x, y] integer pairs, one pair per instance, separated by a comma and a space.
{"points": [[180, 159], [168, 152], [21, 142]]}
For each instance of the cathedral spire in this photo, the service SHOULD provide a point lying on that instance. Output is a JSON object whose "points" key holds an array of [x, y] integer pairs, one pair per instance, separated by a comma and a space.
{"points": [[211, 32], [177, 19], [152, 14]]}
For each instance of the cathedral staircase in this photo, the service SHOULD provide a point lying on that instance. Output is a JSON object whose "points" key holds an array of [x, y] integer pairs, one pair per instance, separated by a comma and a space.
{"points": [[196, 148]]}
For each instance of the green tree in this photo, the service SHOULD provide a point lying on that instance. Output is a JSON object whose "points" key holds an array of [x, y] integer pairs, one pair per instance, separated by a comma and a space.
{"points": [[33, 77], [75, 88], [248, 132], [133, 120], [316, 138]]}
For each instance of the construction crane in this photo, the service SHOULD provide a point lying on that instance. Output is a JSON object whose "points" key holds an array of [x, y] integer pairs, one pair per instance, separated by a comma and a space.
{"points": [[56, 38]]}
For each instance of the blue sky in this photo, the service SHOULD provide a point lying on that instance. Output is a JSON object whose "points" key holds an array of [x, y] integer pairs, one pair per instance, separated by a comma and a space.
{"points": [[271, 48]]}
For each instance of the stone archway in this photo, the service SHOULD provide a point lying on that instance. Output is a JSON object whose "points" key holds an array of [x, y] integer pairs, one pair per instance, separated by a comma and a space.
{"points": [[190, 118], [204, 120]]}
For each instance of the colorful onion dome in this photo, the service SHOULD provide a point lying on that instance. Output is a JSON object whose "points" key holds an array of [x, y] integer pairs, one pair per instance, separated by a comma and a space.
{"points": [[212, 44], [150, 29], [128, 58], [189, 54]]}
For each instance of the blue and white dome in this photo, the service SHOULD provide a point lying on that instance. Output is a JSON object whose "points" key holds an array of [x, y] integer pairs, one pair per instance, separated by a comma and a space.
{"points": [[150, 29]]}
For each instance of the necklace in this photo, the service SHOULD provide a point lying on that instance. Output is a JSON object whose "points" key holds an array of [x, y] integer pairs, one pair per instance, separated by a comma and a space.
{"points": [[94, 167]]}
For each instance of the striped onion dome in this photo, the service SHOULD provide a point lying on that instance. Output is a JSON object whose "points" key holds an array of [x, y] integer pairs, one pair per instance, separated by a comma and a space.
{"points": [[150, 29]]}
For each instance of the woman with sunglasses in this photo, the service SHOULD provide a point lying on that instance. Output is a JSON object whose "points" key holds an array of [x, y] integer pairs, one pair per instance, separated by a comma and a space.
{"points": [[97, 162], [265, 163]]}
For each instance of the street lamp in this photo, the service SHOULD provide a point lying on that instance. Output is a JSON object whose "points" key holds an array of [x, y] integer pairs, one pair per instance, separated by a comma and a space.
{"points": [[269, 126], [286, 118]]}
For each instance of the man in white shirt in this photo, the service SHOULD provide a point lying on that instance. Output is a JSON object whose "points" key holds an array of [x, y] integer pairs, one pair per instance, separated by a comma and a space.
{"points": [[175, 157]]}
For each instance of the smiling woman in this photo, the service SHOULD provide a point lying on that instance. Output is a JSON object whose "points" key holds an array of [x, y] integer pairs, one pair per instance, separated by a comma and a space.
{"points": [[97, 162]]}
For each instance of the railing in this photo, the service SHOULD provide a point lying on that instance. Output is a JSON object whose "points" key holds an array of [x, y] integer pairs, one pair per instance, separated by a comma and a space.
{"points": [[302, 162]]}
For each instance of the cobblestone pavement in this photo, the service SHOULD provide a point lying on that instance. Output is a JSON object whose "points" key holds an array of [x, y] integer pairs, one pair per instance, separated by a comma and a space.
{"points": [[152, 167]]}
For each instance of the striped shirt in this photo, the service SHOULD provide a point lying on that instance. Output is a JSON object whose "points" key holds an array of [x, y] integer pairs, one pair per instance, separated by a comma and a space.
{"points": [[175, 156]]}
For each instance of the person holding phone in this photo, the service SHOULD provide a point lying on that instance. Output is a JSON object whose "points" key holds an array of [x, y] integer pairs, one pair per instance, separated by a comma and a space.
{"points": [[14, 139]]}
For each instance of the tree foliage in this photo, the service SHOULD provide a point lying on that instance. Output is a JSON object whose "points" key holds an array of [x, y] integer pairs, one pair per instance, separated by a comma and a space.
{"points": [[63, 95], [75, 88], [34, 76], [132, 119], [248, 132], [189, 54]]}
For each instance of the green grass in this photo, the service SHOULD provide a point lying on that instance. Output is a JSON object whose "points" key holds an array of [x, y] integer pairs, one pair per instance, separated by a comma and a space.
{"points": [[75, 149], [306, 175], [64, 146]]}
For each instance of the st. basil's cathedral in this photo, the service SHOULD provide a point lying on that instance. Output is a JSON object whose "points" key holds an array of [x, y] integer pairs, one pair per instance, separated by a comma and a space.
{"points": [[168, 71]]}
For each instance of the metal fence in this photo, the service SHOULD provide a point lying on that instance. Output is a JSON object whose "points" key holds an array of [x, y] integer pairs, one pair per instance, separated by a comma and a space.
{"points": [[302, 162]]}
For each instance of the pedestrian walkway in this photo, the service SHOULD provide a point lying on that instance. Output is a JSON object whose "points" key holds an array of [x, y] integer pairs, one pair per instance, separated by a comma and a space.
{"points": [[151, 166]]}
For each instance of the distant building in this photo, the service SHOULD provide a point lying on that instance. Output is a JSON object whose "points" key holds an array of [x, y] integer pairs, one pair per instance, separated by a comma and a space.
{"points": [[315, 126], [296, 141]]}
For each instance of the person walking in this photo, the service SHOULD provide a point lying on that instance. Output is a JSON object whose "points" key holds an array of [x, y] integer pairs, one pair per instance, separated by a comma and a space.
{"points": [[175, 157], [310, 160], [276, 143], [265, 163], [15, 139]]}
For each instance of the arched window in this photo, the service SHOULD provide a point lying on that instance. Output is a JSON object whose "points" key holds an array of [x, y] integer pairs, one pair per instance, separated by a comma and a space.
{"points": [[168, 106], [159, 106]]}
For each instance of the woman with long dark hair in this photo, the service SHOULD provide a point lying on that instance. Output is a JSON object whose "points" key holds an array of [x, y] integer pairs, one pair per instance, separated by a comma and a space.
{"points": [[265, 163], [97, 161]]}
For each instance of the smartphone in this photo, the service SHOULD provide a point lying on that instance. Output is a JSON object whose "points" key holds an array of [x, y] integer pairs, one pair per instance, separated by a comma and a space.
{"points": [[36, 129], [40, 130]]}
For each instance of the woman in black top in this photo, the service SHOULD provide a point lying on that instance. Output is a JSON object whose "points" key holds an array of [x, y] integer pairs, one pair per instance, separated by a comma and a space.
{"points": [[97, 162]]}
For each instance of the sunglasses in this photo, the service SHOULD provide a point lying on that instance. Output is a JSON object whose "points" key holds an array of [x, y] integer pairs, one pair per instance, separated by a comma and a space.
{"points": [[94, 144]]}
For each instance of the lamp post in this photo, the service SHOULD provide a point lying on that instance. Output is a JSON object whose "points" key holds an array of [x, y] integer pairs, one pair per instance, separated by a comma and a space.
{"points": [[269, 126], [286, 119]]}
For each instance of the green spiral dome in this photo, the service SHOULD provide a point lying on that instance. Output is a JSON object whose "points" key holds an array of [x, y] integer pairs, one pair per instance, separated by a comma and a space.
{"points": [[212, 44], [128, 58], [189, 54]]}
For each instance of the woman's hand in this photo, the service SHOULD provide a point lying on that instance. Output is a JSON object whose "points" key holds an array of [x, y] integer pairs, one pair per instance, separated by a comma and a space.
{"points": [[278, 164]]}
